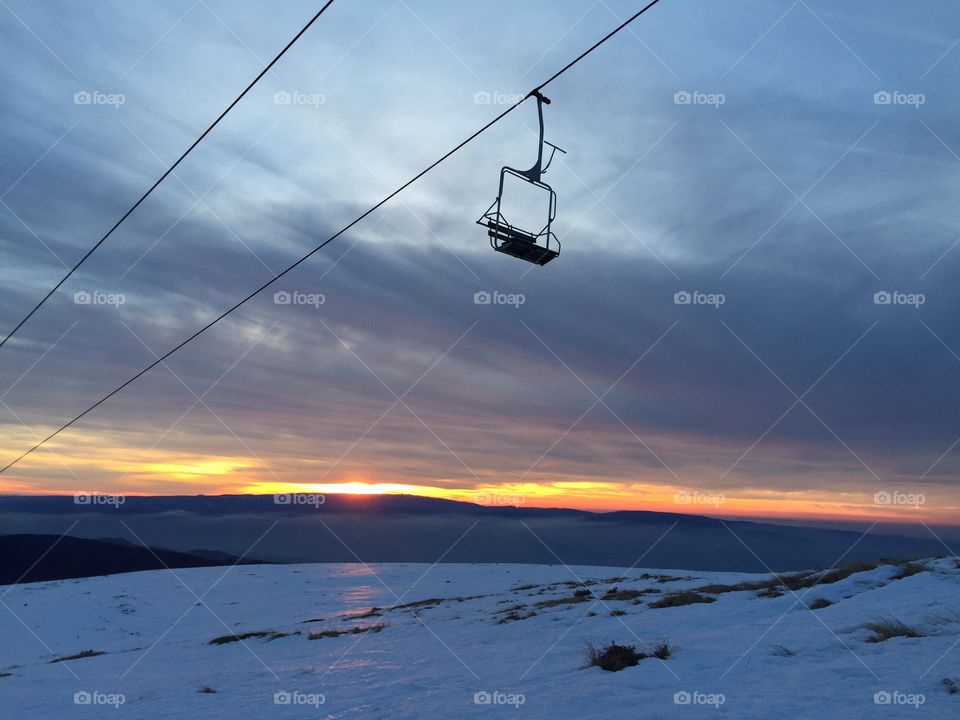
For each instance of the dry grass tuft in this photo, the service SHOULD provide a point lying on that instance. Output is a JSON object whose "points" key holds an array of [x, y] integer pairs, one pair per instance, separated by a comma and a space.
{"points": [[320, 634], [684, 597], [890, 628], [78, 656]]}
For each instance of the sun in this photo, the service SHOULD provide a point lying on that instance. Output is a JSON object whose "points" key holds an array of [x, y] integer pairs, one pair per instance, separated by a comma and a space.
{"points": [[349, 487]]}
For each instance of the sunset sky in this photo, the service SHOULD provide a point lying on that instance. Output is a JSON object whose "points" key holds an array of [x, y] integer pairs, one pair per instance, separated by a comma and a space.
{"points": [[786, 184]]}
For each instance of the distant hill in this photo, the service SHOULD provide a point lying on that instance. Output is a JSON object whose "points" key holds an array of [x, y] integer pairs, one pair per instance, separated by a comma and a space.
{"points": [[31, 558], [211, 530], [299, 505]]}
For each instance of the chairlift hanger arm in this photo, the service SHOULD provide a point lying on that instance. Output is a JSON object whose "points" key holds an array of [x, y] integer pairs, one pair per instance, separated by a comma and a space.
{"points": [[534, 174]]}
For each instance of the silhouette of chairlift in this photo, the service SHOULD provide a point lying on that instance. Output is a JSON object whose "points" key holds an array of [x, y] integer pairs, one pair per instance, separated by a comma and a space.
{"points": [[536, 247]]}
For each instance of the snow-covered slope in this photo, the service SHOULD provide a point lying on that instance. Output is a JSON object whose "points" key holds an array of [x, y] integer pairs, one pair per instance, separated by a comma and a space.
{"points": [[479, 641]]}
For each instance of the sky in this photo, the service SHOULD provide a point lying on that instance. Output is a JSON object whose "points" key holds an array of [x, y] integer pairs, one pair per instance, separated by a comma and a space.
{"points": [[788, 168]]}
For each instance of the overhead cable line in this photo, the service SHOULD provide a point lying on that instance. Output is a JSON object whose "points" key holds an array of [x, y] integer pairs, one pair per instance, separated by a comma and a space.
{"points": [[333, 237], [163, 177]]}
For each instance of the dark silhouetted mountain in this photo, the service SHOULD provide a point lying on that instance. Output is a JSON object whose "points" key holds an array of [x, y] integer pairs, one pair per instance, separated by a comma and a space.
{"points": [[260, 504], [30, 558]]}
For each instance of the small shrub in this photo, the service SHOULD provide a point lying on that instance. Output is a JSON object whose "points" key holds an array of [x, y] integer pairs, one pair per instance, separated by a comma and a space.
{"points": [[781, 651], [617, 594], [320, 634], [951, 685], [429, 602], [372, 612], [207, 690], [461, 598], [684, 597], [717, 588], [662, 650], [908, 569], [352, 631], [613, 657], [224, 639], [78, 656], [617, 613], [668, 578], [820, 604], [569, 600], [582, 593], [779, 584], [885, 629], [840, 573]]}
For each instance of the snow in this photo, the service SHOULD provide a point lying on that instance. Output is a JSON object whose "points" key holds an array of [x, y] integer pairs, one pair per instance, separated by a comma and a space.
{"points": [[741, 656]]}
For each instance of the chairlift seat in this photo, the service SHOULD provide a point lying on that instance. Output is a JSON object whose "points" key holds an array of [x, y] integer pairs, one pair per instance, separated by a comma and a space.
{"points": [[540, 247], [519, 244]]}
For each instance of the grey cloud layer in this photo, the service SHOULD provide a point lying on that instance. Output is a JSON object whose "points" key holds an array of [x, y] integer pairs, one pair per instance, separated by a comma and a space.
{"points": [[699, 198]]}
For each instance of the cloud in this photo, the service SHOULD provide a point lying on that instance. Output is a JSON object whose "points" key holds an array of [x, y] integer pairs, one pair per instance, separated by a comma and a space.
{"points": [[656, 198]]}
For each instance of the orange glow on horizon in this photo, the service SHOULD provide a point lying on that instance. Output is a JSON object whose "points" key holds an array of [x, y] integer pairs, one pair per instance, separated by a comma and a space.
{"points": [[86, 464], [611, 497], [577, 495]]}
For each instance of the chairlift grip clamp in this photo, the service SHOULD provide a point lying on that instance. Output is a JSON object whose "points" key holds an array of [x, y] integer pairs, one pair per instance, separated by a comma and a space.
{"points": [[539, 96]]}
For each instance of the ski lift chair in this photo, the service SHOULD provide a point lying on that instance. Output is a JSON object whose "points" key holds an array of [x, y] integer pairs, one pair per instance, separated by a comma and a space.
{"points": [[540, 246]]}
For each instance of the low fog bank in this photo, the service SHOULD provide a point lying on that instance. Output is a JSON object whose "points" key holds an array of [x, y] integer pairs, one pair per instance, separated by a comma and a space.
{"points": [[432, 531]]}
